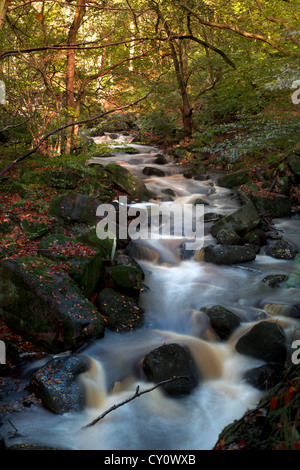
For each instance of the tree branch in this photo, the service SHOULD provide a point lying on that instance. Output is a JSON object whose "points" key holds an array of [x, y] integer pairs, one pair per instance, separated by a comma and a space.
{"points": [[239, 31], [77, 123], [19, 124], [136, 395]]}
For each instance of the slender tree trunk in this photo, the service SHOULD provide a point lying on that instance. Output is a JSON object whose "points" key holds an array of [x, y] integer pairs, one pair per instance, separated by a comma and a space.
{"points": [[70, 69], [3, 10], [186, 109]]}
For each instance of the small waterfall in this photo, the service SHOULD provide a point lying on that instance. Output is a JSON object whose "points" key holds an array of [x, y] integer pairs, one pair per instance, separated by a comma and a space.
{"points": [[94, 382]]}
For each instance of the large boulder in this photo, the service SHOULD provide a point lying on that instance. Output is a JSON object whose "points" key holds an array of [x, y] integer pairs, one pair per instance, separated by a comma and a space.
{"points": [[82, 262], [278, 206], [242, 220], [169, 361], [56, 384], [265, 341], [226, 255], [127, 182], [75, 208], [122, 312], [42, 303]]}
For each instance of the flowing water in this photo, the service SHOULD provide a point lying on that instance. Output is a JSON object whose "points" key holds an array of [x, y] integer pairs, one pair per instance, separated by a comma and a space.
{"points": [[177, 287]]}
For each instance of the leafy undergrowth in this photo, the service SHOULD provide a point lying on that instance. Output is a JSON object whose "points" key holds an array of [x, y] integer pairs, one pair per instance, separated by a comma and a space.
{"points": [[273, 425]]}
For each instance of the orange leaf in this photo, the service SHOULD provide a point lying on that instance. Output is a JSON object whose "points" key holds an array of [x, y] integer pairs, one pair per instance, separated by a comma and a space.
{"points": [[273, 403], [39, 16]]}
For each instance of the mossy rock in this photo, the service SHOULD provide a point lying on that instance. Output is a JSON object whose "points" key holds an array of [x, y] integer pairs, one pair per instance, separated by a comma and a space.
{"points": [[233, 180], [281, 249], [75, 208], [105, 246], [42, 303], [278, 206], [34, 230], [125, 279], [294, 164], [121, 311], [242, 220], [82, 262], [128, 182]]}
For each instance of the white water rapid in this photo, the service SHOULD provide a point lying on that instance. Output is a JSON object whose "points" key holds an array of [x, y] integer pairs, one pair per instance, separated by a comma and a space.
{"points": [[176, 288]]}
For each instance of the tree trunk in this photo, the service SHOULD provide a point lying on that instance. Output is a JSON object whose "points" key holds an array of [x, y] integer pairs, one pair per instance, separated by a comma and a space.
{"points": [[186, 109], [70, 69], [3, 10]]}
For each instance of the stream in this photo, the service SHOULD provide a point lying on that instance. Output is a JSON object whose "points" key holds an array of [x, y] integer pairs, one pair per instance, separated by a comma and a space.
{"points": [[177, 286]]}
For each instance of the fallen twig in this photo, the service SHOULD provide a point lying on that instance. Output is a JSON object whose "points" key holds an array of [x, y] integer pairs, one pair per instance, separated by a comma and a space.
{"points": [[136, 395]]}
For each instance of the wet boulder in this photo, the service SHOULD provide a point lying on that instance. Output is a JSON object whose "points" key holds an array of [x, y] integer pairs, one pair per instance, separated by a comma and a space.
{"points": [[122, 313], [151, 171], [275, 280], [242, 220], [223, 321], [169, 361], [57, 385], [265, 341], [160, 160], [227, 255], [42, 303], [266, 376], [282, 249], [229, 237]]}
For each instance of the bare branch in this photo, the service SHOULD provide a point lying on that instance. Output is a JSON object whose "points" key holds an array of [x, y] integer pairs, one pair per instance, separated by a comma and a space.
{"points": [[136, 395], [19, 124]]}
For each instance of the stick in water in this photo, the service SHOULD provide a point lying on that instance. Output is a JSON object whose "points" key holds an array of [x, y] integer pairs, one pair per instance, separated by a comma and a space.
{"points": [[136, 395]]}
